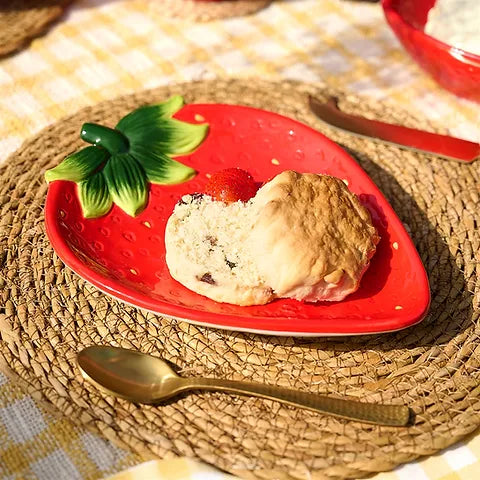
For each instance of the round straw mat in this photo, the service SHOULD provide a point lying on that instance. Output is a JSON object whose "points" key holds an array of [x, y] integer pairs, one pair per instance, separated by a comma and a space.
{"points": [[49, 314], [23, 20], [204, 11]]}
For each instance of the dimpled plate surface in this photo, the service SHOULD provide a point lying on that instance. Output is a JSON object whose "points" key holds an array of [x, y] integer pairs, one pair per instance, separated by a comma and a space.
{"points": [[125, 257]]}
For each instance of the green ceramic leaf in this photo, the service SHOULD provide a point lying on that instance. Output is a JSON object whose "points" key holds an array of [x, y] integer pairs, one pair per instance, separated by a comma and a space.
{"points": [[116, 169], [144, 117], [126, 183], [78, 166], [160, 168], [94, 196], [170, 136]]}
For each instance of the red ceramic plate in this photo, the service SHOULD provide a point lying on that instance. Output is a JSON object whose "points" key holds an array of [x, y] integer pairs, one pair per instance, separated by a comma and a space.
{"points": [[125, 256]]}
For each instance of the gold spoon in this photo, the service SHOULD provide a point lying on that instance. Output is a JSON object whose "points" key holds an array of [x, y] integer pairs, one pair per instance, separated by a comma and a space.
{"points": [[143, 378]]}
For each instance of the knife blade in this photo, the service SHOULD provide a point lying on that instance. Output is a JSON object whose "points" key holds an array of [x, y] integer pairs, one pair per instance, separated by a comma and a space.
{"points": [[426, 142]]}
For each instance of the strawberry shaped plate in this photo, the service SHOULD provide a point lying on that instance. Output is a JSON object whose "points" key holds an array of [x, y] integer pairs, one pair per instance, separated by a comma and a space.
{"points": [[124, 256]]}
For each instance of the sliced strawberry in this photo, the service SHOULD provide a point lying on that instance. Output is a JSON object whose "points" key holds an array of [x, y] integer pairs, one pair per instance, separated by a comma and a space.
{"points": [[231, 185]]}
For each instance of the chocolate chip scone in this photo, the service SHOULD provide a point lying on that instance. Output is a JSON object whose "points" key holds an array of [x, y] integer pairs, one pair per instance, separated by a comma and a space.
{"points": [[302, 236], [208, 250]]}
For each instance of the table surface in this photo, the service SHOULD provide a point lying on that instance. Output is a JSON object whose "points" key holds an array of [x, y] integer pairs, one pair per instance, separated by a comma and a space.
{"points": [[104, 48]]}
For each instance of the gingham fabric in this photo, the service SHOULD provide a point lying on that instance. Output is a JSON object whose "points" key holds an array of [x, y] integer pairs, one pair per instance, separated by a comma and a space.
{"points": [[105, 48], [176, 469]]}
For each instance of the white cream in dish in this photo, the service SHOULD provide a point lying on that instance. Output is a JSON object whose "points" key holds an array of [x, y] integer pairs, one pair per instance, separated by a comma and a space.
{"points": [[457, 23]]}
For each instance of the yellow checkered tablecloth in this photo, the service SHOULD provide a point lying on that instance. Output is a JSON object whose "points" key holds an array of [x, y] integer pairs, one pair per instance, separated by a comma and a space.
{"points": [[105, 48]]}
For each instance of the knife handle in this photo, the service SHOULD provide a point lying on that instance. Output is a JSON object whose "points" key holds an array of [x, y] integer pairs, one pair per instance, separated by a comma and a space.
{"points": [[411, 138]]}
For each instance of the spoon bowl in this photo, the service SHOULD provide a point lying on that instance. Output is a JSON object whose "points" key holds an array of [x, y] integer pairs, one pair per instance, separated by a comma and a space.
{"points": [[129, 374], [143, 378]]}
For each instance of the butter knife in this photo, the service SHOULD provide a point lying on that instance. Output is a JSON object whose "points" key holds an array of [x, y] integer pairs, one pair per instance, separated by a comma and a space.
{"points": [[426, 142]]}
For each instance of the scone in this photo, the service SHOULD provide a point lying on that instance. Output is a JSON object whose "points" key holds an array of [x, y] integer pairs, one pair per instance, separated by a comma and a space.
{"points": [[302, 236], [313, 239], [208, 250]]}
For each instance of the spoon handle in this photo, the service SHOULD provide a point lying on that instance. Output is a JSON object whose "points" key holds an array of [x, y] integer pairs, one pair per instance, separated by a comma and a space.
{"points": [[392, 415]]}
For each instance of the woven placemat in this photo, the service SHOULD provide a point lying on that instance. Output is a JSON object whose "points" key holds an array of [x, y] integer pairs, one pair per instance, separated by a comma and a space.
{"points": [[48, 314], [204, 11], [23, 20]]}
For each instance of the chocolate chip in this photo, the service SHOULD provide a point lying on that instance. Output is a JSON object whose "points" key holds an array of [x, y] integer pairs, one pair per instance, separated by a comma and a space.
{"points": [[196, 196], [229, 263], [207, 278], [212, 240]]}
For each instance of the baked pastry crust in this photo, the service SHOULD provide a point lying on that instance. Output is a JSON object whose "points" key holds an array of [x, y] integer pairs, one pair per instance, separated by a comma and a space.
{"points": [[313, 239]]}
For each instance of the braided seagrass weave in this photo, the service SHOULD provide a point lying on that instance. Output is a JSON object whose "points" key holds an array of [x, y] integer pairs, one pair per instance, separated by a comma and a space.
{"points": [[204, 11], [23, 20], [48, 314]]}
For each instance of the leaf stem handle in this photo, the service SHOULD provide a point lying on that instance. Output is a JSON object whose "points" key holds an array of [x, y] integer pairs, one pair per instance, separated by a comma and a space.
{"points": [[392, 415], [112, 140]]}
